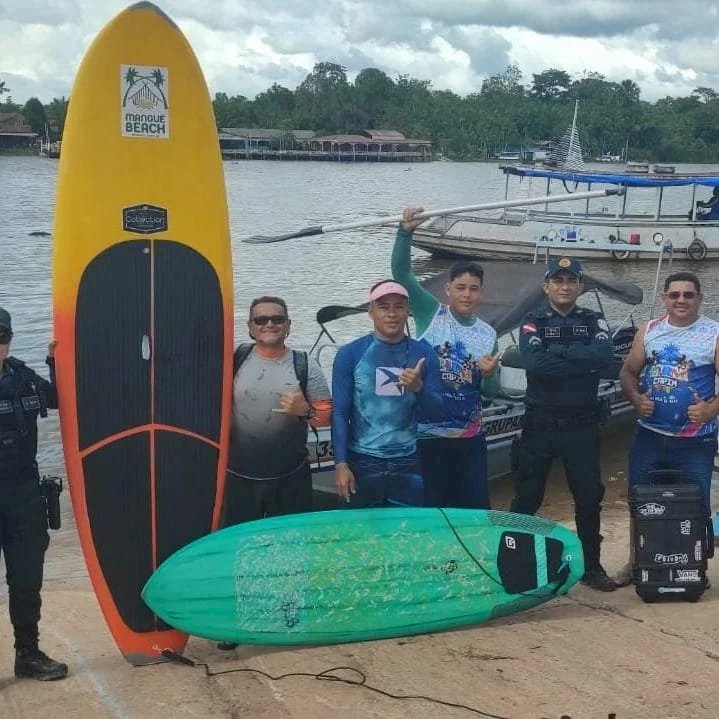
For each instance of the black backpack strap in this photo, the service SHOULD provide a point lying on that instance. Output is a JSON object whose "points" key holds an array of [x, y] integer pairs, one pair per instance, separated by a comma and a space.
{"points": [[241, 354], [300, 360]]}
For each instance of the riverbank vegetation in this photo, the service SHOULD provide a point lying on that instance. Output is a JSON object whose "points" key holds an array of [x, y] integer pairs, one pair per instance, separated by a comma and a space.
{"points": [[508, 112]]}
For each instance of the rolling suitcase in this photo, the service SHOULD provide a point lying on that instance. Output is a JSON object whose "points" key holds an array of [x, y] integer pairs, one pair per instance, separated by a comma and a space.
{"points": [[672, 538]]}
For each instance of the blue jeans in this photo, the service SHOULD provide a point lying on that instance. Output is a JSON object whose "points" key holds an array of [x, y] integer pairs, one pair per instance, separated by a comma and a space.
{"points": [[694, 456], [380, 482], [454, 472]]}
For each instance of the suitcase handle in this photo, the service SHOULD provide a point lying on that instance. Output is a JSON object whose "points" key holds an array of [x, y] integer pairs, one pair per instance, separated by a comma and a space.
{"points": [[668, 476], [710, 538]]}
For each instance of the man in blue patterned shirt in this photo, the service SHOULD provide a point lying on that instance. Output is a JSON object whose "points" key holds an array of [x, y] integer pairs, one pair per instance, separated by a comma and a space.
{"points": [[379, 381]]}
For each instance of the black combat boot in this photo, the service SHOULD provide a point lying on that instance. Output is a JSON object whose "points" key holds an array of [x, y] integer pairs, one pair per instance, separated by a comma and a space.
{"points": [[597, 578], [34, 664]]}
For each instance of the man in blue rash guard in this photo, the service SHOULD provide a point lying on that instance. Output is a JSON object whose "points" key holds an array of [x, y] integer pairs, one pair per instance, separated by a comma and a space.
{"points": [[378, 383]]}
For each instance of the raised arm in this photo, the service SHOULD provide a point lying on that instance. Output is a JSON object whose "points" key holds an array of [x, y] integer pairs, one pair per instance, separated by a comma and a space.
{"points": [[423, 303]]}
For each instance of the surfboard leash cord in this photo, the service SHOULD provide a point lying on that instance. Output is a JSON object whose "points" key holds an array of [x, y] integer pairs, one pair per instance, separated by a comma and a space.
{"points": [[329, 675], [561, 576]]}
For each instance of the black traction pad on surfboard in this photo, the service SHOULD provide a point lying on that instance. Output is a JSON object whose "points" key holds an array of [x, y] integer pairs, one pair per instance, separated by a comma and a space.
{"points": [[123, 291], [517, 561]]}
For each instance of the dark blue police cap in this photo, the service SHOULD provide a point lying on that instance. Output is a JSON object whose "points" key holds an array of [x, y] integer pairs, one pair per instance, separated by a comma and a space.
{"points": [[564, 264]]}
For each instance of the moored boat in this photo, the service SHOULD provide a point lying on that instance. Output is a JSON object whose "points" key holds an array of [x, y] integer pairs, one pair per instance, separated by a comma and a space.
{"points": [[664, 202]]}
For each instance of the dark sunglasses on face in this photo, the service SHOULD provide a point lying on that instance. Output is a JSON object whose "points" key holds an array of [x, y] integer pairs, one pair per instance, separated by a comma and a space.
{"points": [[262, 320], [675, 295], [5, 335]]}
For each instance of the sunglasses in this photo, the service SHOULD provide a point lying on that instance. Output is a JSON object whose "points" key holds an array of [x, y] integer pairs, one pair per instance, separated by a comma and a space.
{"points": [[5, 336], [675, 295], [262, 320]]}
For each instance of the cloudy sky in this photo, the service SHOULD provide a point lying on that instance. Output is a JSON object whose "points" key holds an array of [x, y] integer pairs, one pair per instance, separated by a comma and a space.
{"points": [[667, 47]]}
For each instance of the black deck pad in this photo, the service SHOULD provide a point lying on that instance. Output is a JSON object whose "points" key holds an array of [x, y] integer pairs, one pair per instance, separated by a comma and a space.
{"points": [[112, 317], [186, 470], [189, 340], [117, 489], [517, 562]]}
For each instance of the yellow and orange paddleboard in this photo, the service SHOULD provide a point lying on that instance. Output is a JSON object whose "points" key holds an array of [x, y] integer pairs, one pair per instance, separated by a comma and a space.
{"points": [[142, 296]]}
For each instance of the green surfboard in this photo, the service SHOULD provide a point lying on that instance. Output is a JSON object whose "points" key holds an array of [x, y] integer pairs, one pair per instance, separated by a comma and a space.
{"points": [[353, 575]]}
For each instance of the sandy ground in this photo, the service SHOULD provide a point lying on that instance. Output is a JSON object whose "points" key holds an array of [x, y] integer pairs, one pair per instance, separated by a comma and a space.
{"points": [[585, 656]]}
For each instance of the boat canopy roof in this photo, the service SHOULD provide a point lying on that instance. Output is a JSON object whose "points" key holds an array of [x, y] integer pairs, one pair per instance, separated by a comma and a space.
{"points": [[611, 178], [504, 306]]}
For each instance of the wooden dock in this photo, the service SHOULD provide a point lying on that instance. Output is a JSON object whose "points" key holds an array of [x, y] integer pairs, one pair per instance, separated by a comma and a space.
{"points": [[324, 155]]}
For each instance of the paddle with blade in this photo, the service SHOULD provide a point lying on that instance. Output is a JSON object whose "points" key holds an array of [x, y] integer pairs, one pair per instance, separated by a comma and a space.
{"points": [[378, 221]]}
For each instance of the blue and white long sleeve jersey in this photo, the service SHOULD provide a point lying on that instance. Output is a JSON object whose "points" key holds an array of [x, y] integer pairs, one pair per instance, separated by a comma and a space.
{"points": [[371, 413]]}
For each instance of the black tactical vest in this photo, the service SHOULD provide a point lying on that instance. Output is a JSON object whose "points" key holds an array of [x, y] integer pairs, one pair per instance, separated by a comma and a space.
{"points": [[20, 405]]}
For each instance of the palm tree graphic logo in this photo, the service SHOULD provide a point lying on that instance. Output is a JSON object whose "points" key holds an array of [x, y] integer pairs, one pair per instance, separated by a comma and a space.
{"points": [[144, 91]]}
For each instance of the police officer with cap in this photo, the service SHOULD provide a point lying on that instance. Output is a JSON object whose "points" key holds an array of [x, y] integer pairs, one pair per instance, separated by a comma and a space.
{"points": [[24, 396], [563, 348]]}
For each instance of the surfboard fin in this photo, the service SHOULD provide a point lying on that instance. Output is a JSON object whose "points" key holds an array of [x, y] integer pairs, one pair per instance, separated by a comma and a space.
{"points": [[175, 657]]}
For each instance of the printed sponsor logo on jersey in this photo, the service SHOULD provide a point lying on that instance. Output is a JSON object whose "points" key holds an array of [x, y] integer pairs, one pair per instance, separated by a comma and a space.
{"points": [[580, 331], [651, 509], [510, 542], [671, 558], [386, 382], [685, 527], [144, 101], [552, 331], [529, 327], [687, 575]]}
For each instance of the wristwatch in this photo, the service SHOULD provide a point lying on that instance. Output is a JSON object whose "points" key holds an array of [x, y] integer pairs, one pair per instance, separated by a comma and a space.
{"points": [[311, 412]]}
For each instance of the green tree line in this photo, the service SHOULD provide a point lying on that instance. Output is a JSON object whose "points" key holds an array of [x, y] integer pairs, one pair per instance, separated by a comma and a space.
{"points": [[506, 112]]}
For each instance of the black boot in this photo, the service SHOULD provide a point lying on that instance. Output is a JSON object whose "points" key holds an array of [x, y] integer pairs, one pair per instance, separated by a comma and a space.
{"points": [[227, 646], [34, 664], [597, 578]]}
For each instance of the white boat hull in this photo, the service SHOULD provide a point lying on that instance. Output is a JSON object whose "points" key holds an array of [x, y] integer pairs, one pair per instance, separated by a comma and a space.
{"points": [[517, 234]]}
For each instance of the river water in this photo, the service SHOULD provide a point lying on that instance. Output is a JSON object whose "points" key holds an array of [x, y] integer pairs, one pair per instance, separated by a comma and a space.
{"points": [[272, 198]]}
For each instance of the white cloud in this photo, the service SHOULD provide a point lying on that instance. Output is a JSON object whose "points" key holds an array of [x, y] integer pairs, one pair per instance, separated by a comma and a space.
{"points": [[244, 47]]}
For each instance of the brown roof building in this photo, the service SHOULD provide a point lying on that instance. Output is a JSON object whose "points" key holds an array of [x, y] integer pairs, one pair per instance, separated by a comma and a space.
{"points": [[14, 131]]}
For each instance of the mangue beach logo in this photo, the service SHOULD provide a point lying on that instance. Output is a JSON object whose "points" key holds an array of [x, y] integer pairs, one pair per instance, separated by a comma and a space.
{"points": [[144, 101]]}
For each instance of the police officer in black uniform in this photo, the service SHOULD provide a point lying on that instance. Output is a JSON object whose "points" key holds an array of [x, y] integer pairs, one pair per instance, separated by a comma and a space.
{"points": [[23, 513], [563, 348]]}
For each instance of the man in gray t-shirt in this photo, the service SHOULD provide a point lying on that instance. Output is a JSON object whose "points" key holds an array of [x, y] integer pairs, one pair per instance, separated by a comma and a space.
{"points": [[268, 470]]}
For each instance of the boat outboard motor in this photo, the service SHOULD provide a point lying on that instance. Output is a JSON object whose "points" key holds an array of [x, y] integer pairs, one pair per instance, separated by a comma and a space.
{"points": [[623, 341], [513, 378]]}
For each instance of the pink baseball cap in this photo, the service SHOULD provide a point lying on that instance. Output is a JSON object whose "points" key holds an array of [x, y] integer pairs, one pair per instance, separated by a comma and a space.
{"points": [[387, 287]]}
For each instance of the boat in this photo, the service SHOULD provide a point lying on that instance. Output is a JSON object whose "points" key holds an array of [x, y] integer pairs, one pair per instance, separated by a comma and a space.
{"points": [[600, 229], [504, 307], [616, 228], [508, 156], [48, 148], [608, 158]]}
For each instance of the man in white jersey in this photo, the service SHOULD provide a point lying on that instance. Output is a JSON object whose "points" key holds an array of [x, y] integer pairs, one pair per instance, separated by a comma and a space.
{"points": [[669, 376]]}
